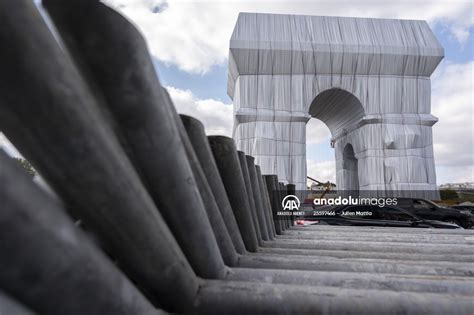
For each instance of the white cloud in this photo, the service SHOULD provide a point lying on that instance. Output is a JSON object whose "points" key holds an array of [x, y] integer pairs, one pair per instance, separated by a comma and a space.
{"points": [[455, 174], [194, 35], [317, 132], [322, 170], [453, 136], [216, 116]]}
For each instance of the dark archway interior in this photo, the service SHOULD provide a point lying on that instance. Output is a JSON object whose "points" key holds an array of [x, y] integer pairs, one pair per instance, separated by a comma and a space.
{"points": [[350, 169], [337, 108]]}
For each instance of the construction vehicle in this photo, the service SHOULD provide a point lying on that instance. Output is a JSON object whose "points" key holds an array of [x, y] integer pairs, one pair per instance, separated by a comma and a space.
{"points": [[328, 185]]}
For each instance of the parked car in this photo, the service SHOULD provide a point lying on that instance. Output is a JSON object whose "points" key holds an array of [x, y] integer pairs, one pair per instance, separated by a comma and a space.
{"points": [[362, 215], [429, 210], [466, 208]]}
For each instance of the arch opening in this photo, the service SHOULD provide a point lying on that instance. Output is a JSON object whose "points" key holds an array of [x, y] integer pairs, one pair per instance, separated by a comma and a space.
{"points": [[350, 170], [341, 112]]}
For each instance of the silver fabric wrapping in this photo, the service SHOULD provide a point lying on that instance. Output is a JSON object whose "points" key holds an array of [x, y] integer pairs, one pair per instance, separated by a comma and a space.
{"points": [[368, 80]]}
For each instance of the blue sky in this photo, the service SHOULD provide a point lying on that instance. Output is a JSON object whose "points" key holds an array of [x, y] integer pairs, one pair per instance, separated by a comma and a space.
{"points": [[212, 84]]}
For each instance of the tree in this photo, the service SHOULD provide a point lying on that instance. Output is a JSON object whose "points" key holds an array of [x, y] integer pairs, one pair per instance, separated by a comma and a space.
{"points": [[447, 194]]}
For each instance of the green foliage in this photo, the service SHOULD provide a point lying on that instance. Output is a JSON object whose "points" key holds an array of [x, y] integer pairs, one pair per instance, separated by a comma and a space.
{"points": [[447, 194], [26, 166]]}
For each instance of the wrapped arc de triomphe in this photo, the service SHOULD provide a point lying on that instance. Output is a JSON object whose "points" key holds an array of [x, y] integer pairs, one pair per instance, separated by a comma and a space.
{"points": [[368, 80]]}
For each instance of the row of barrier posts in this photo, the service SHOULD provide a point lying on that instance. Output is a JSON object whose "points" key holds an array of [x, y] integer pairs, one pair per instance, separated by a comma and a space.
{"points": [[171, 220]]}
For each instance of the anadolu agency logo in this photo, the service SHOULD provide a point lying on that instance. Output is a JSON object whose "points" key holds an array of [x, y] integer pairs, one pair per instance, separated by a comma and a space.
{"points": [[290, 202], [291, 205]]}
